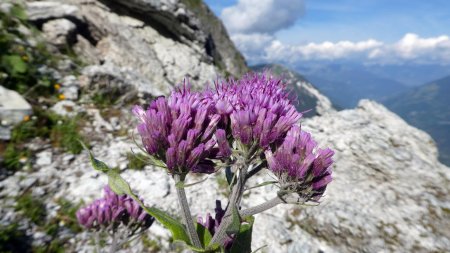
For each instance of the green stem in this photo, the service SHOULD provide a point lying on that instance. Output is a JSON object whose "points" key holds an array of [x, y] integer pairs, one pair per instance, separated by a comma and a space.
{"points": [[186, 212], [235, 200], [97, 242]]}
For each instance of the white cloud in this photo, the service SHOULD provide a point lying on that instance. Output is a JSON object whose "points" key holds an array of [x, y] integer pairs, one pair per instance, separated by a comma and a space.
{"points": [[414, 48], [253, 45], [410, 48], [262, 16]]}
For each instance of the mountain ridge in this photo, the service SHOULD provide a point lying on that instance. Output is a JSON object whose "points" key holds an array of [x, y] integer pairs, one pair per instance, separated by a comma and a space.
{"points": [[427, 107]]}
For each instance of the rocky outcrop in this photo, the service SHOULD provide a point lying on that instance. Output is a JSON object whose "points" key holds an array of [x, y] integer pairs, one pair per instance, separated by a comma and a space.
{"points": [[389, 194], [161, 42], [307, 98], [218, 43]]}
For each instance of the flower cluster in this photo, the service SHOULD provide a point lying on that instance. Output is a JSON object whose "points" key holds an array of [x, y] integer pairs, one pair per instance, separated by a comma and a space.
{"points": [[299, 166], [111, 211], [257, 108], [179, 131]]}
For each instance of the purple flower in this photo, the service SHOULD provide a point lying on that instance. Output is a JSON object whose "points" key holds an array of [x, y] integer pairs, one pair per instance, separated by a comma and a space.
{"points": [[299, 166], [257, 108], [212, 224], [179, 130], [112, 210]]}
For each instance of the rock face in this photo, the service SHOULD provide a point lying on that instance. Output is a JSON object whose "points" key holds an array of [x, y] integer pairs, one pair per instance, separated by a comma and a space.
{"points": [[158, 41], [13, 109], [218, 43], [309, 99], [389, 194]]}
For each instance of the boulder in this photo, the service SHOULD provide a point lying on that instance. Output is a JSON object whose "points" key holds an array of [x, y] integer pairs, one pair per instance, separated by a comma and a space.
{"points": [[13, 110], [59, 32]]}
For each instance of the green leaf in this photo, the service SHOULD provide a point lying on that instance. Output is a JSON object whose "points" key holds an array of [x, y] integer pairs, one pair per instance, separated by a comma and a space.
{"points": [[243, 241], [204, 234], [235, 224], [175, 227], [97, 164], [15, 64], [118, 184]]}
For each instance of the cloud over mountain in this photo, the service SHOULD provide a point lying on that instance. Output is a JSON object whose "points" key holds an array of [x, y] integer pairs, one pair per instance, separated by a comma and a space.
{"points": [[410, 48]]}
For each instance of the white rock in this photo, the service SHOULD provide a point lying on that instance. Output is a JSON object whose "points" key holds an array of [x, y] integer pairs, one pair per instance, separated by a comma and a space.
{"points": [[44, 158], [66, 108], [59, 32], [13, 109]]}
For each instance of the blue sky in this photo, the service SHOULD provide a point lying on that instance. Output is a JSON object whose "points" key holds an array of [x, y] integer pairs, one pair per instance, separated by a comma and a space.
{"points": [[388, 31]]}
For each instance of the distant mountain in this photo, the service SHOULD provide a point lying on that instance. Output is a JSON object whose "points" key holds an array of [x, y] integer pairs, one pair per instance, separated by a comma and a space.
{"points": [[308, 97], [345, 84], [410, 74], [427, 107]]}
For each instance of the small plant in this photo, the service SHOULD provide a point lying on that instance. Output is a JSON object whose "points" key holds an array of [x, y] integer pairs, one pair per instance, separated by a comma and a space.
{"points": [[20, 60], [32, 208], [63, 133], [239, 129]]}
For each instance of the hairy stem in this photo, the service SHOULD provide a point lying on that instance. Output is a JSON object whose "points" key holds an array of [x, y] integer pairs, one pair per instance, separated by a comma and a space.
{"points": [[186, 213], [113, 247], [97, 242], [261, 207], [235, 200]]}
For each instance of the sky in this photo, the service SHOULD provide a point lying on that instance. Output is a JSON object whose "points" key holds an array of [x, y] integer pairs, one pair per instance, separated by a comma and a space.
{"points": [[367, 31]]}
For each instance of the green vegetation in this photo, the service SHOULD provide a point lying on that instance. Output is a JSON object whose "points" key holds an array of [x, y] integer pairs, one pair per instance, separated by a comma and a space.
{"points": [[13, 239], [32, 208], [20, 59], [64, 219], [150, 245], [63, 133]]}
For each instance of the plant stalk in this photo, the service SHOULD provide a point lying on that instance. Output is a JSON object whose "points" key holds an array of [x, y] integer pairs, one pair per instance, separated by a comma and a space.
{"points": [[235, 200], [261, 207], [97, 242], [113, 248], [186, 213]]}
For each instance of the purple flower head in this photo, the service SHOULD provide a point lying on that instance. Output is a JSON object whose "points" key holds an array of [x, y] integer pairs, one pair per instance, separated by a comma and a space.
{"points": [[301, 167], [212, 224], [179, 130], [111, 211], [257, 108]]}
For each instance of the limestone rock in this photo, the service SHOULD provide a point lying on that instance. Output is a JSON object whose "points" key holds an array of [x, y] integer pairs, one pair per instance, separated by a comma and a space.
{"points": [[159, 41], [389, 193], [70, 87], [66, 108], [110, 79], [40, 11], [13, 109], [59, 32]]}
